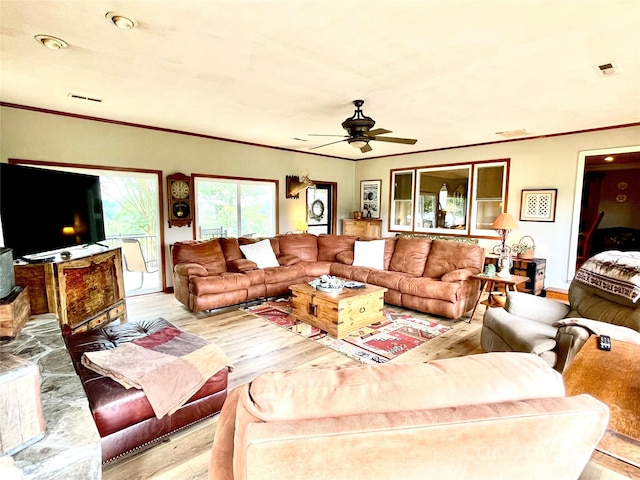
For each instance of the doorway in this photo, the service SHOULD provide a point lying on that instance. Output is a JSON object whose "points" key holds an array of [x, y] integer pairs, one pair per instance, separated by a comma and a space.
{"points": [[608, 181], [321, 201]]}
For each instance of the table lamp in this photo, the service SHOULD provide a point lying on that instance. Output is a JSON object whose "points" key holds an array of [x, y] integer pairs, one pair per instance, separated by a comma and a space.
{"points": [[503, 225]]}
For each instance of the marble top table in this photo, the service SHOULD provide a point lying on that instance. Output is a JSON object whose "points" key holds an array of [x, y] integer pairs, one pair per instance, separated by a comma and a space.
{"points": [[70, 449]]}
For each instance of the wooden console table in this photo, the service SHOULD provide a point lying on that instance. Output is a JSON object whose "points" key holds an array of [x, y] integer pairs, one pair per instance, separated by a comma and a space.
{"points": [[533, 268], [491, 283], [83, 291]]}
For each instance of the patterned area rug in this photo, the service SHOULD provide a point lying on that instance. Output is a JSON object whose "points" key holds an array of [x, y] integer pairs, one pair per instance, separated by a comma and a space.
{"points": [[376, 343]]}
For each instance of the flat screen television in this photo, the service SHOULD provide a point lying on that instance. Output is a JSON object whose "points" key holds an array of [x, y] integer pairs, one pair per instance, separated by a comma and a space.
{"points": [[43, 210]]}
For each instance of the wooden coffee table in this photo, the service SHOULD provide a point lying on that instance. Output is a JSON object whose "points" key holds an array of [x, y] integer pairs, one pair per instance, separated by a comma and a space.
{"points": [[340, 313]]}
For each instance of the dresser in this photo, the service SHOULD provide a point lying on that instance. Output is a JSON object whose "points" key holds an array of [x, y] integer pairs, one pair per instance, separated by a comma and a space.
{"points": [[365, 227], [533, 268]]}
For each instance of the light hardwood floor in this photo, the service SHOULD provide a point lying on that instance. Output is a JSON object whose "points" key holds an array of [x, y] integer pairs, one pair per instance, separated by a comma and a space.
{"points": [[254, 346]]}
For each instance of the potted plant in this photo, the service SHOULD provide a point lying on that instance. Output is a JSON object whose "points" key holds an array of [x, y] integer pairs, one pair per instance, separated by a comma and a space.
{"points": [[524, 249]]}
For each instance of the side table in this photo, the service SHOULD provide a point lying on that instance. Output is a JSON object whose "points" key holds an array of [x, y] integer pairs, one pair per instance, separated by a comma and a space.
{"points": [[490, 283]]}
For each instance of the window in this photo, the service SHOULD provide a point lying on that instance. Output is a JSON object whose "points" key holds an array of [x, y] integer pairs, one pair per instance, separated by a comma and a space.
{"points": [[442, 199], [402, 200], [235, 207], [489, 196], [461, 199]]}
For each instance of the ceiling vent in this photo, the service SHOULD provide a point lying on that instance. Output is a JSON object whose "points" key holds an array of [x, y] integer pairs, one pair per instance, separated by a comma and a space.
{"points": [[513, 133], [84, 97], [607, 69]]}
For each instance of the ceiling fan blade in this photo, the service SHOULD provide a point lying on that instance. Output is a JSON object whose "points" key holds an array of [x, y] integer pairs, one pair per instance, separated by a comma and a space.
{"points": [[408, 141], [326, 144], [366, 148], [325, 135], [377, 131]]}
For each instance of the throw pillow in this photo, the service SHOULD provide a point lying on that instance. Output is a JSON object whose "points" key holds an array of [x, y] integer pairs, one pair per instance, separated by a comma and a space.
{"points": [[261, 253], [369, 254]]}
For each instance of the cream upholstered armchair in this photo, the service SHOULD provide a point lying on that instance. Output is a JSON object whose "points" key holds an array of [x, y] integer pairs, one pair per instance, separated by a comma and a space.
{"points": [[603, 300]]}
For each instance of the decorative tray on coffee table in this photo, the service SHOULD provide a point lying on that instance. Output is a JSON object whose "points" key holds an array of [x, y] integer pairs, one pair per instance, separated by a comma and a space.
{"points": [[328, 284]]}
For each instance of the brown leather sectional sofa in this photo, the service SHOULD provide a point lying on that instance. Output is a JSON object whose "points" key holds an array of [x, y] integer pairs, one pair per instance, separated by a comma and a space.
{"points": [[427, 275]]}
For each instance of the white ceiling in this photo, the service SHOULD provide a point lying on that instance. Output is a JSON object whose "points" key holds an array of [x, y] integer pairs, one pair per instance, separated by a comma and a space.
{"points": [[446, 72]]}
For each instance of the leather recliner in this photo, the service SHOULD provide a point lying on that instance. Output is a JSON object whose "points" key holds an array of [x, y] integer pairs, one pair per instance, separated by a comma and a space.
{"points": [[556, 331]]}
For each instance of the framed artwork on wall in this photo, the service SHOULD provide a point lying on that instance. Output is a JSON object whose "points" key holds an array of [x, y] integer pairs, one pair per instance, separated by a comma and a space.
{"points": [[538, 205], [370, 198]]}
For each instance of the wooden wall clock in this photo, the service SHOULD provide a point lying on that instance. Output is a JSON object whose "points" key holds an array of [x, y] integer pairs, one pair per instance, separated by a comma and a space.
{"points": [[180, 195]]}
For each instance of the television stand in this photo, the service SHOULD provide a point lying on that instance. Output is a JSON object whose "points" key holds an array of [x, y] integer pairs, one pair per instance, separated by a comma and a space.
{"points": [[84, 291], [38, 259]]}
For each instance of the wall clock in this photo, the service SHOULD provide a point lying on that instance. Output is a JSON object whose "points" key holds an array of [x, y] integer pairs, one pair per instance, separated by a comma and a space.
{"points": [[180, 197]]}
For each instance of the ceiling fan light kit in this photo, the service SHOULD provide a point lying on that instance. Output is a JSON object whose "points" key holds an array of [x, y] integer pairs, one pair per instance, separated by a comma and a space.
{"points": [[360, 133]]}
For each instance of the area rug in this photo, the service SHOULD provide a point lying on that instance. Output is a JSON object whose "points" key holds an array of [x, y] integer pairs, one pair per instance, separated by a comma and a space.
{"points": [[376, 343]]}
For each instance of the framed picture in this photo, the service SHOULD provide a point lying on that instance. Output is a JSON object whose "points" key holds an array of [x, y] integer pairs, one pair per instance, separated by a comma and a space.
{"points": [[538, 205], [370, 198]]}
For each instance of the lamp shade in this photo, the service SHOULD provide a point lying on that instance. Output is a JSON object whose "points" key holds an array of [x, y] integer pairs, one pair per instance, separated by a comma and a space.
{"points": [[504, 222]]}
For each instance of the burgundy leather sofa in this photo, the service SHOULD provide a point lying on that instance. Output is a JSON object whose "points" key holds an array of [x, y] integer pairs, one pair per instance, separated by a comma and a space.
{"points": [[124, 417], [426, 275]]}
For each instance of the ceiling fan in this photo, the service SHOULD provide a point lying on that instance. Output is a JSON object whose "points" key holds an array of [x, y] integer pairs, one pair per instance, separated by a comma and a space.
{"points": [[360, 134]]}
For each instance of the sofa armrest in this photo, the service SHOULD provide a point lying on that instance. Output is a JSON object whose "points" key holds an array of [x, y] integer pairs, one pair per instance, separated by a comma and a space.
{"points": [[286, 259], [573, 333], [457, 275], [540, 309], [241, 265], [188, 269], [595, 327]]}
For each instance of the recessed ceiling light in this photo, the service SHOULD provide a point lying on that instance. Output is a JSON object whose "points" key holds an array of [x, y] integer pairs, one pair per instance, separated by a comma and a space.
{"points": [[52, 43], [121, 21], [608, 159]]}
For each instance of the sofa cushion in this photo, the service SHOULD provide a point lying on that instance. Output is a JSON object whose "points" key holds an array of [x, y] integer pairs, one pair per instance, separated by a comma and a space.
{"points": [[207, 253], [224, 282], [369, 254], [431, 288], [304, 246], [230, 249], [338, 391], [345, 257], [447, 255], [330, 245], [387, 279], [261, 253], [410, 255]]}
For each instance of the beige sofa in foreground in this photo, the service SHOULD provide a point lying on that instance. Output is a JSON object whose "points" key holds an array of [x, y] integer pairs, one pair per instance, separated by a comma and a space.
{"points": [[487, 416]]}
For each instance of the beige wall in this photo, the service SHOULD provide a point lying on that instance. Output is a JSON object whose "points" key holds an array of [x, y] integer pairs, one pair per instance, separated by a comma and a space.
{"points": [[535, 164], [40, 136], [541, 163]]}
